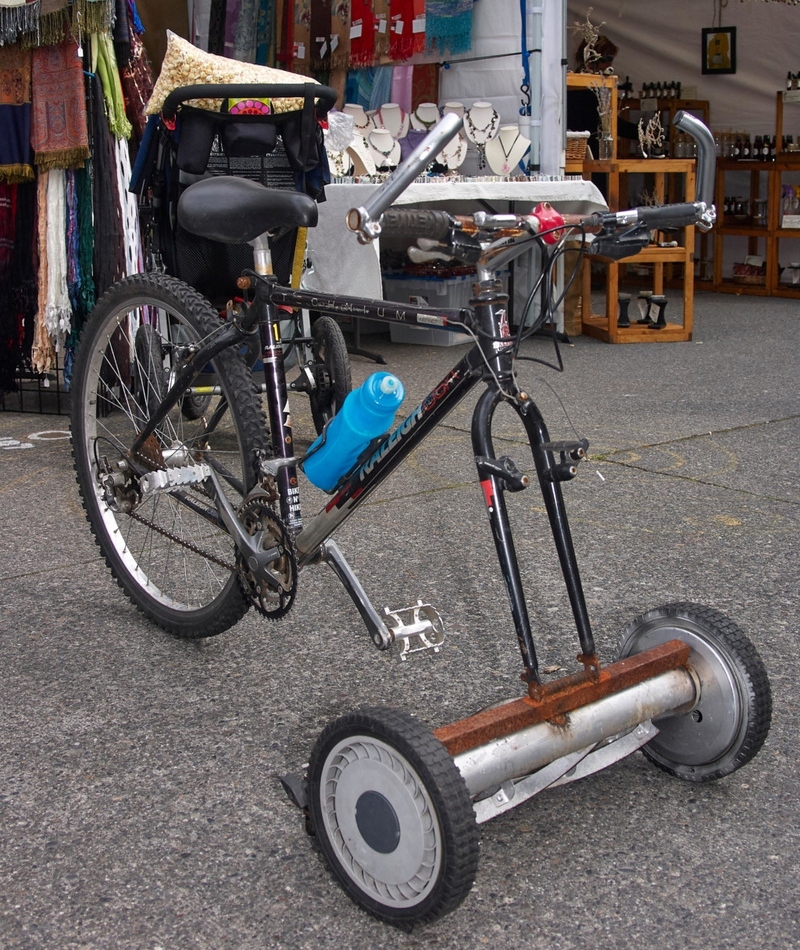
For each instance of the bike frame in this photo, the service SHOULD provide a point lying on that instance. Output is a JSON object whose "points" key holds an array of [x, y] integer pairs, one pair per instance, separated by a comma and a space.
{"points": [[490, 361]]}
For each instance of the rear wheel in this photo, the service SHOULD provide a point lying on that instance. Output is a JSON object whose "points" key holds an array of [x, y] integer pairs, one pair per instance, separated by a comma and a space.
{"points": [[164, 546], [331, 369], [393, 816], [731, 720]]}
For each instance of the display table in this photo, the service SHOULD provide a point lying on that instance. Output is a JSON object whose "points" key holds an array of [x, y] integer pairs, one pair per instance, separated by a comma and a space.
{"points": [[341, 265]]}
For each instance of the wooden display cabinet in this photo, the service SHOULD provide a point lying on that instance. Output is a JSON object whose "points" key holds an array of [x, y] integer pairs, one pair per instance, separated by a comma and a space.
{"points": [[604, 326]]}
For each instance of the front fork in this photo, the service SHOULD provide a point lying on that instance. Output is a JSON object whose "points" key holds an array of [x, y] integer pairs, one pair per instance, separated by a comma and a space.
{"points": [[554, 462]]}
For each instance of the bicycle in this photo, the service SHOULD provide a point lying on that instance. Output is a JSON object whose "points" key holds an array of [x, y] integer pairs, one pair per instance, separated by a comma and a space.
{"points": [[185, 143], [394, 806]]}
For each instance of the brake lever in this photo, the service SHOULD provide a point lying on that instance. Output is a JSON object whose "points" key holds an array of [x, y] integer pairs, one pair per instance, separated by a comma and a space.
{"points": [[615, 245]]}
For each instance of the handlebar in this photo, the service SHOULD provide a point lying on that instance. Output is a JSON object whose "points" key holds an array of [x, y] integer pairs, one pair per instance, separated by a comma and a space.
{"points": [[706, 154], [325, 96]]}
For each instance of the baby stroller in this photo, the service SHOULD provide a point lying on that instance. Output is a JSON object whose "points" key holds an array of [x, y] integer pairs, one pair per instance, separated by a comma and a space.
{"points": [[246, 139]]}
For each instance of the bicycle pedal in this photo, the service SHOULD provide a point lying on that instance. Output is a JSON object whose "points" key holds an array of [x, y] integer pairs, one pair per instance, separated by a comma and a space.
{"points": [[420, 628]]}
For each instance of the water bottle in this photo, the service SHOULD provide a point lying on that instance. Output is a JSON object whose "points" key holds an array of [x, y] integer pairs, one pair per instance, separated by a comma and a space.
{"points": [[366, 413]]}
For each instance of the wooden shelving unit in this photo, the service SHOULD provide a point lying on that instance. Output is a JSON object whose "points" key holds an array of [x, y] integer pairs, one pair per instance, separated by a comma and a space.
{"points": [[604, 326], [764, 181]]}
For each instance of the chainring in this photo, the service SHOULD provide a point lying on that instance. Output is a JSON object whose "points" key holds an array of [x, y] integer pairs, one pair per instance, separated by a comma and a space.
{"points": [[257, 515]]}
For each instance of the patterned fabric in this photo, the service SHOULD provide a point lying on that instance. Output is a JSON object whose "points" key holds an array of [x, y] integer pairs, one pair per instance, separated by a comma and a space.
{"points": [[382, 36], [340, 34], [16, 157], [104, 63], [425, 84], [60, 135], [137, 85], [265, 31], [419, 16], [448, 26]]}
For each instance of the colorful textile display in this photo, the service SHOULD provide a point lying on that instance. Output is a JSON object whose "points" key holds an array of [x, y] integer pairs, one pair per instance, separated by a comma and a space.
{"points": [[16, 156], [448, 25], [265, 30], [419, 20], [59, 134], [43, 354]]}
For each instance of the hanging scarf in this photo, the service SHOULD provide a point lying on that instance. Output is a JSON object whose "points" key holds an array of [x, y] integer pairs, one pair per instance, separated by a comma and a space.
{"points": [[57, 312], [104, 63], [362, 34], [448, 26], [16, 158], [401, 42], [340, 34], [245, 41], [137, 86], [321, 35], [55, 21], [425, 84], [9, 330], [17, 17], [265, 31], [43, 355], [382, 28], [302, 36], [109, 237], [59, 130], [418, 25]]}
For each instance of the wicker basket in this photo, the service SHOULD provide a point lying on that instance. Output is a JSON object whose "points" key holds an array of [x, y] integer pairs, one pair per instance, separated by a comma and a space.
{"points": [[752, 274], [576, 146]]}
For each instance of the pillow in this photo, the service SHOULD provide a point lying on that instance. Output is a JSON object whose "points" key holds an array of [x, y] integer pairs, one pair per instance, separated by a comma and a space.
{"points": [[186, 65]]}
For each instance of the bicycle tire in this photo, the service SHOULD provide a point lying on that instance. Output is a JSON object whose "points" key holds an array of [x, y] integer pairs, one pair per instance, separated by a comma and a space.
{"points": [[173, 563], [331, 369]]}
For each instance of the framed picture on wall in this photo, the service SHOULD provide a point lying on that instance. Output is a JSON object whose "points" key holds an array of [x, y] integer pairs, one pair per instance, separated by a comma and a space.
{"points": [[719, 49]]}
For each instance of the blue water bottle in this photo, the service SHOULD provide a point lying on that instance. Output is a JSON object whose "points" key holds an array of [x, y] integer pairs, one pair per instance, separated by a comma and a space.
{"points": [[366, 413]]}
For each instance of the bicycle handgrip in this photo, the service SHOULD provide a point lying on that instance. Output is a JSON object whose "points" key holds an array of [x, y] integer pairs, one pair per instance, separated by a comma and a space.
{"points": [[668, 216], [302, 90], [418, 223]]}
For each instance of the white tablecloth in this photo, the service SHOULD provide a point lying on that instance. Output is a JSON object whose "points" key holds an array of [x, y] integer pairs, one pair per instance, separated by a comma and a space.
{"points": [[342, 265]]}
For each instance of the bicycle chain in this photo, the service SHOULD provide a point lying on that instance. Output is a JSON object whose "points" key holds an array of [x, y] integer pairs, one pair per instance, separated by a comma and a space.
{"points": [[186, 544]]}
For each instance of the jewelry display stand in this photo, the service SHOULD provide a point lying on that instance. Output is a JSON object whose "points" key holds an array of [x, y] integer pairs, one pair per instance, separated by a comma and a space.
{"points": [[453, 154], [425, 116], [456, 107], [362, 123], [384, 148], [506, 151], [480, 125], [392, 118]]}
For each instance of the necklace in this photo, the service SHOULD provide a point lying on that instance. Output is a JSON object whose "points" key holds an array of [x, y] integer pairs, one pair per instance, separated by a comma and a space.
{"points": [[380, 151], [427, 125], [506, 154], [481, 136], [484, 133]]}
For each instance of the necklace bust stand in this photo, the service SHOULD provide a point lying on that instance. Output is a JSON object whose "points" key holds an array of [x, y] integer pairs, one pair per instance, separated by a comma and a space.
{"points": [[425, 116], [456, 107], [362, 124], [340, 163], [453, 154], [505, 152], [392, 118], [384, 149], [480, 124]]}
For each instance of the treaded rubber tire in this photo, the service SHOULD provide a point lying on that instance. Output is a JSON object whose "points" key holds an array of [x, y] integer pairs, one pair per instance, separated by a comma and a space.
{"points": [[186, 594], [732, 718], [331, 369], [405, 847]]}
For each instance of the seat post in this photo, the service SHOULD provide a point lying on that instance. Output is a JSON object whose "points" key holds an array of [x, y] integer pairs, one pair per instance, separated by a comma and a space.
{"points": [[262, 256]]}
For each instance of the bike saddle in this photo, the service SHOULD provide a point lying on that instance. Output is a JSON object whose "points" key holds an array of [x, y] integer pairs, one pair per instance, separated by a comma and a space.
{"points": [[237, 210]]}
